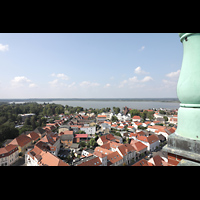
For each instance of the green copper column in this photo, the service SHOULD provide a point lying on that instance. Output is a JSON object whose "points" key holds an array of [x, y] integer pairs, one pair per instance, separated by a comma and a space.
{"points": [[188, 88]]}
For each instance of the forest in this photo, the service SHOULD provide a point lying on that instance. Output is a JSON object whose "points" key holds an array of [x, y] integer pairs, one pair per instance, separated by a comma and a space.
{"points": [[9, 117]]}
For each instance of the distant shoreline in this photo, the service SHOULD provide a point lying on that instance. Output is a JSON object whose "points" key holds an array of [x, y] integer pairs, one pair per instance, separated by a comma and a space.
{"points": [[173, 100]]}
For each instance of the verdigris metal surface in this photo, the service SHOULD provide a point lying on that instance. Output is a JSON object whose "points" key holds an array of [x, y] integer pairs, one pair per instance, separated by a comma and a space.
{"points": [[188, 87]]}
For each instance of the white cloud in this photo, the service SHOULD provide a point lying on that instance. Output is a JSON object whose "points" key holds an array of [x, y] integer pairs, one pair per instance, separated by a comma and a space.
{"points": [[132, 81], [174, 74], [54, 83], [4, 47], [146, 79], [142, 48], [19, 81], [61, 76], [139, 70], [32, 85], [107, 85], [71, 85], [22, 81], [58, 85], [88, 84]]}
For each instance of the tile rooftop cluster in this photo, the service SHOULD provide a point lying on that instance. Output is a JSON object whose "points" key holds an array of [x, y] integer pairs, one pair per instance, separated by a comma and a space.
{"points": [[41, 146]]}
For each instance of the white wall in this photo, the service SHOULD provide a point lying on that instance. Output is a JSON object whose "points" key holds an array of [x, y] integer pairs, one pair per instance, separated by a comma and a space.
{"points": [[89, 130]]}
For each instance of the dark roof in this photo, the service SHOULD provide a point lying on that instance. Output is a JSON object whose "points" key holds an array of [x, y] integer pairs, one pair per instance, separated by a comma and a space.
{"points": [[74, 145], [39, 130], [66, 137]]}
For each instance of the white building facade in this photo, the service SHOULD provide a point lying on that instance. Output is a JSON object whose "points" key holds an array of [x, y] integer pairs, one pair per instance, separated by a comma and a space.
{"points": [[8, 155]]}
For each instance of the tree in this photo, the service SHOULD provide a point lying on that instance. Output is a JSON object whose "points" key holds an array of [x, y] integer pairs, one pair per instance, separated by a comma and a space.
{"points": [[82, 143], [150, 115], [114, 118], [144, 115], [49, 112], [134, 112], [116, 110], [27, 121], [33, 121], [165, 118]]}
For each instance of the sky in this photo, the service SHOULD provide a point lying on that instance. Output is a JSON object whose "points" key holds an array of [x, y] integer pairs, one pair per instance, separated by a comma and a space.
{"points": [[89, 65]]}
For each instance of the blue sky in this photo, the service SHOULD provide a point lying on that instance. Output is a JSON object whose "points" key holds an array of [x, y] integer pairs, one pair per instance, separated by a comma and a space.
{"points": [[89, 65]]}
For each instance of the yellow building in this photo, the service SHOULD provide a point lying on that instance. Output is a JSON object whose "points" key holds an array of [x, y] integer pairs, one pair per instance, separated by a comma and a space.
{"points": [[23, 142]]}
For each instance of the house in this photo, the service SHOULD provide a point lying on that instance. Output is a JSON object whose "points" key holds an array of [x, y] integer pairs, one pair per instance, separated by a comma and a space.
{"points": [[23, 142], [50, 143], [90, 130], [63, 128], [105, 138], [157, 161], [102, 157], [124, 134], [87, 152], [173, 119], [102, 150], [151, 142], [40, 131], [141, 162], [101, 118], [155, 123], [108, 115], [81, 137], [38, 157], [161, 130], [74, 147], [105, 126], [76, 128], [114, 126], [114, 159], [131, 128], [109, 150], [139, 147], [8, 155], [120, 128], [66, 138], [136, 118], [89, 161], [136, 124], [127, 152], [109, 137], [146, 124], [34, 136]]}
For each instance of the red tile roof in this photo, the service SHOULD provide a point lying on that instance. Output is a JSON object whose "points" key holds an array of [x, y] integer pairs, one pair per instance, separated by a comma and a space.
{"points": [[141, 162], [46, 158], [8, 150], [93, 162], [101, 116], [125, 148], [81, 136], [21, 140], [113, 158], [151, 139], [33, 135], [136, 117], [103, 150], [139, 146]]}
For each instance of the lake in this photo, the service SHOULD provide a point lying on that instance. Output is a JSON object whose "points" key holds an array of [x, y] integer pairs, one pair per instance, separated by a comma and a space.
{"points": [[104, 103], [130, 104]]}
